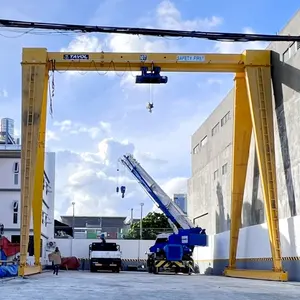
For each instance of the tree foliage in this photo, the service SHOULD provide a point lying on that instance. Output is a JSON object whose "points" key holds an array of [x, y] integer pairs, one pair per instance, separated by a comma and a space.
{"points": [[153, 224]]}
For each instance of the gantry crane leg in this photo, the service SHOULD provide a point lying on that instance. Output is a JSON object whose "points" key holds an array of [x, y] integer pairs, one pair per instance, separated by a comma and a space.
{"points": [[37, 205], [242, 128], [259, 87], [34, 77]]}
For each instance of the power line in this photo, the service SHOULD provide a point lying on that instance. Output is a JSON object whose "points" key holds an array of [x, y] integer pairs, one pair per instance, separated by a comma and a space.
{"points": [[215, 36]]}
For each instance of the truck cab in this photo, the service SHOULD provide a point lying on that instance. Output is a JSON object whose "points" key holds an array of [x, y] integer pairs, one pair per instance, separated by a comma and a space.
{"points": [[105, 256]]}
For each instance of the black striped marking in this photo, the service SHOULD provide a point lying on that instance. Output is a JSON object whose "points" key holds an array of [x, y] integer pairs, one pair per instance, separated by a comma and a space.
{"points": [[171, 264]]}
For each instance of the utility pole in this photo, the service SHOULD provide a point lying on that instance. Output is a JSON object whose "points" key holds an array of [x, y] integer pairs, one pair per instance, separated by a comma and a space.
{"points": [[131, 217], [141, 232], [141, 222], [73, 226]]}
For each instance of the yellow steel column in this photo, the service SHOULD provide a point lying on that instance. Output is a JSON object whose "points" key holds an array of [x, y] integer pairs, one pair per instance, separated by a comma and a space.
{"points": [[260, 97], [34, 67], [39, 177], [242, 128]]}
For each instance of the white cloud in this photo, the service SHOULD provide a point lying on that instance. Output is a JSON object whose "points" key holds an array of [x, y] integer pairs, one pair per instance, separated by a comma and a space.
{"points": [[51, 135], [214, 81], [56, 215], [105, 126], [239, 47], [84, 43], [90, 180], [166, 16], [177, 185], [169, 17], [63, 125], [75, 128]]}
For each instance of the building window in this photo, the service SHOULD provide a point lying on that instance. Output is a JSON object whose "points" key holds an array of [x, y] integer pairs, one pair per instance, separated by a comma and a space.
{"points": [[16, 173], [196, 149], [285, 55], [225, 119], [290, 51], [224, 169], [16, 179], [215, 130], [16, 167], [44, 219], [15, 212], [203, 141], [216, 174]]}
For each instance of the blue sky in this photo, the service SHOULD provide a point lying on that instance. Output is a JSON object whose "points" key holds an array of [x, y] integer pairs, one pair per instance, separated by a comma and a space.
{"points": [[99, 117]]}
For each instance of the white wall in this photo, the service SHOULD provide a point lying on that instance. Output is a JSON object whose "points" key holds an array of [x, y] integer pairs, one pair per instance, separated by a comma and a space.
{"points": [[80, 247], [7, 173], [6, 208], [253, 242], [50, 197], [9, 193]]}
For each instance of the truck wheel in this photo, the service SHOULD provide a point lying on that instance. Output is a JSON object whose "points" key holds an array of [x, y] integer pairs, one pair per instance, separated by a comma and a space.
{"points": [[93, 269]]}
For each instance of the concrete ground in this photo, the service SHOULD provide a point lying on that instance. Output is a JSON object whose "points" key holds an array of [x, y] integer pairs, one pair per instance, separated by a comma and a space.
{"points": [[129, 285]]}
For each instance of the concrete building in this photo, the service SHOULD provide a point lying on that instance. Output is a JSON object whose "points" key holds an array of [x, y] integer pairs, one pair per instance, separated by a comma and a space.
{"points": [[210, 184], [10, 188]]}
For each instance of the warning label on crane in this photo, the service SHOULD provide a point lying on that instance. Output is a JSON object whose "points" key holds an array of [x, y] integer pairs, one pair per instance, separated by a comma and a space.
{"points": [[191, 58]]}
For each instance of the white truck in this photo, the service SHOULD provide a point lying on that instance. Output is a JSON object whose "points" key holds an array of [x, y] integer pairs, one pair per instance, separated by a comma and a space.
{"points": [[105, 256]]}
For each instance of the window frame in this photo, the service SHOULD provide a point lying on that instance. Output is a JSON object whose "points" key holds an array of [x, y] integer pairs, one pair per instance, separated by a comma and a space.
{"points": [[215, 129], [224, 169]]}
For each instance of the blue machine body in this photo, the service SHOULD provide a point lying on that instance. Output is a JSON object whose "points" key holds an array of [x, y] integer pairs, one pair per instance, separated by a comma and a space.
{"points": [[187, 236], [151, 77], [173, 252]]}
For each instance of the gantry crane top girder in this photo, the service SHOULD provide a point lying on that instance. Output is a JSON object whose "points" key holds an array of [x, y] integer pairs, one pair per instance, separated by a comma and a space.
{"points": [[168, 62]]}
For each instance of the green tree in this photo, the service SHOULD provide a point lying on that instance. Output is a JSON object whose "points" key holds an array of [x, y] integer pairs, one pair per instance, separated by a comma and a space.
{"points": [[153, 224]]}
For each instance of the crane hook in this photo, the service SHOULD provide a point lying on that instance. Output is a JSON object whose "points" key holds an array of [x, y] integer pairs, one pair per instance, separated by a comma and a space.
{"points": [[150, 106]]}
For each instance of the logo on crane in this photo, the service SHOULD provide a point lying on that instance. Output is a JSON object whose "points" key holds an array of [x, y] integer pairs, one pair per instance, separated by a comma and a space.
{"points": [[76, 56]]}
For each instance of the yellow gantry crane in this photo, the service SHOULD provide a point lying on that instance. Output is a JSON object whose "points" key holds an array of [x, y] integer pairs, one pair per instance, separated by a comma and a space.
{"points": [[253, 111]]}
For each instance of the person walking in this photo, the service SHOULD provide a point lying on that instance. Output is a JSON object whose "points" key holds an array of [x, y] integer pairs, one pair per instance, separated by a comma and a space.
{"points": [[56, 260]]}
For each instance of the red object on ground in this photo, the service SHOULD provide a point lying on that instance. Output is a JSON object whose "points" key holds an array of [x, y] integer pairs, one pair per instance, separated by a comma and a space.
{"points": [[70, 263], [9, 248], [112, 235]]}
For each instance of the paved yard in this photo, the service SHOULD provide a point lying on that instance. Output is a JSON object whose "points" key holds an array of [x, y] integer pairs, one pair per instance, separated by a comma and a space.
{"points": [[133, 285]]}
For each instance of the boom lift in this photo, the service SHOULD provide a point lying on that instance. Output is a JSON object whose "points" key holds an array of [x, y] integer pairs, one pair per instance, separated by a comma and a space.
{"points": [[173, 250]]}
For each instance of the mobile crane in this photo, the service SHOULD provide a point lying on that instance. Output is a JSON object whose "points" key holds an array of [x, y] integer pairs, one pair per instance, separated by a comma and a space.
{"points": [[171, 250]]}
